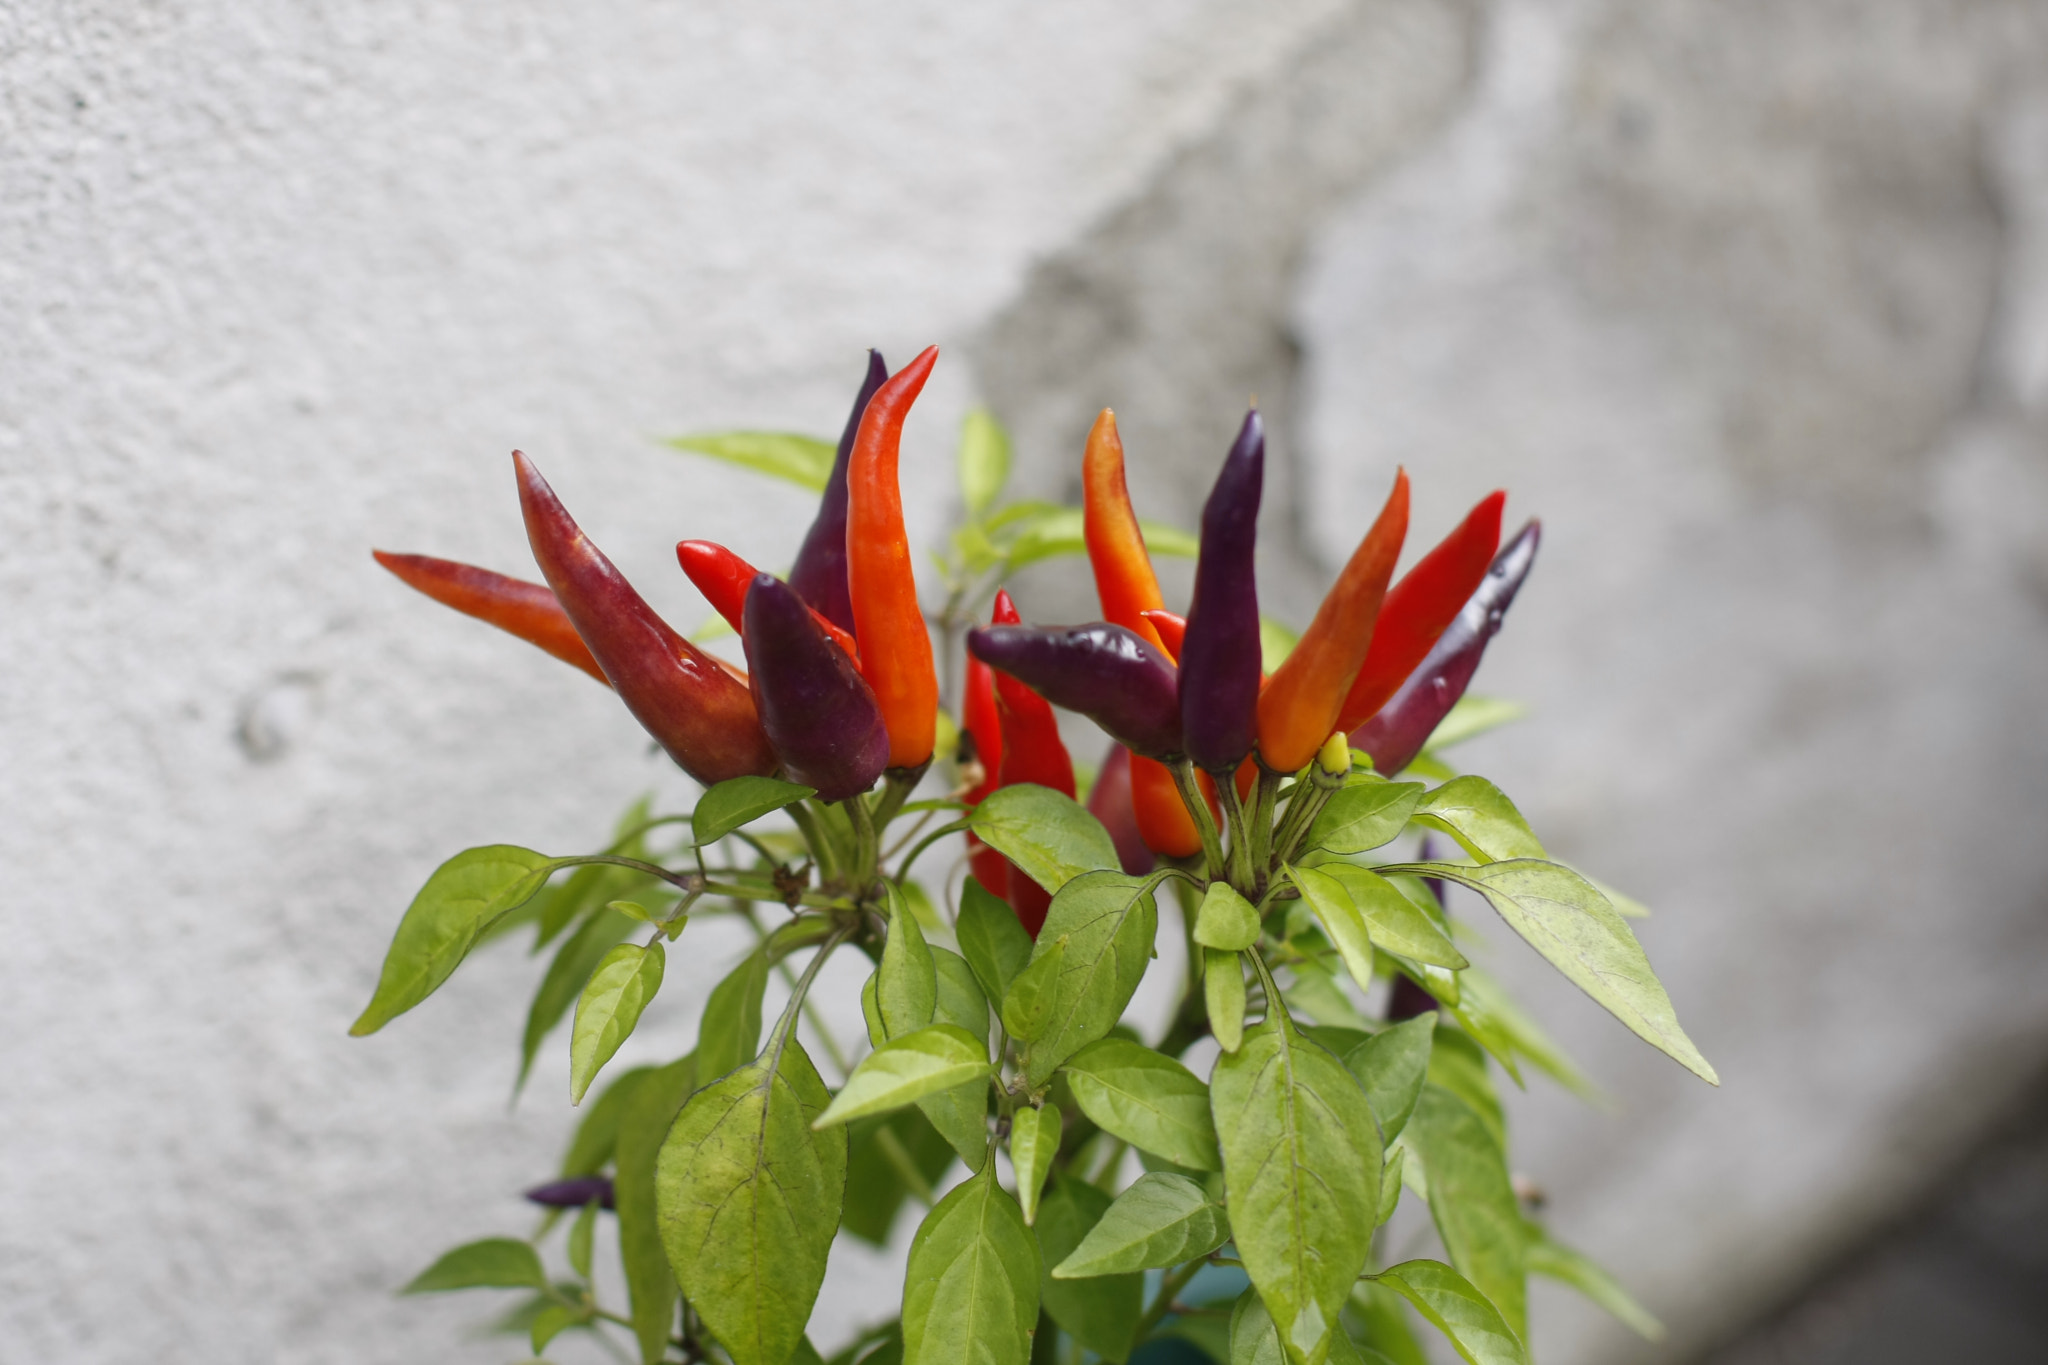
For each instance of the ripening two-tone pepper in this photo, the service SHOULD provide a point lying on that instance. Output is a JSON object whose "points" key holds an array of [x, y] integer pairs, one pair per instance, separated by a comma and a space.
{"points": [[513, 605], [1396, 734], [896, 650]]}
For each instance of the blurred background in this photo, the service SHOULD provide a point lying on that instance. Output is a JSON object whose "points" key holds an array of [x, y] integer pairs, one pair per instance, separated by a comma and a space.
{"points": [[1749, 301]]}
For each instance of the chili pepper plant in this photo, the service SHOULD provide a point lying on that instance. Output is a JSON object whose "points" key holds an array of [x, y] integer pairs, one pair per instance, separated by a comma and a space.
{"points": [[1084, 1188]]}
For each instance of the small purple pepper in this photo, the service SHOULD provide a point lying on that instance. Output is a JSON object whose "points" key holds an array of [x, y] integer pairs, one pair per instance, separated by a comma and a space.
{"points": [[819, 575], [1219, 657], [574, 1194], [820, 714], [1404, 724], [1111, 675]]}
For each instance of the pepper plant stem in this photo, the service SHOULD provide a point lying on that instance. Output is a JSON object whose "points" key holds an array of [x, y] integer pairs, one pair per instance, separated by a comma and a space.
{"points": [[1205, 824], [1169, 1289]]}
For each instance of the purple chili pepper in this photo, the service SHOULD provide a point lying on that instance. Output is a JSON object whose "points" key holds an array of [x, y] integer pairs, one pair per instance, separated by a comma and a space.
{"points": [[574, 1194], [1111, 675], [820, 714], [819, 575], [1219, 658], [1404, 724]]}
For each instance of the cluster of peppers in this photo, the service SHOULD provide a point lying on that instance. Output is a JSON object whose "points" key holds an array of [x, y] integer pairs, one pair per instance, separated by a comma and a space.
{"points": [[840, 690]]}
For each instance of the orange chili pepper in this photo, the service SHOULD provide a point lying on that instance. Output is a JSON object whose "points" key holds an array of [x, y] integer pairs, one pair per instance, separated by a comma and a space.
{"points": [[896, 655], [1032, 752], [723, 577], [1299, 704], [1421, 606], [513, 605], [1124, 580]]}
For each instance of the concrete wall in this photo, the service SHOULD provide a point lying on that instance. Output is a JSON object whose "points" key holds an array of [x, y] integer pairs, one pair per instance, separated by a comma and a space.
{"points": [[1750, 303]]}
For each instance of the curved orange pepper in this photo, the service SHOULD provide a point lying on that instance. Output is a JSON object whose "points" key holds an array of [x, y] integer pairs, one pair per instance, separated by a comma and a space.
{"points": [[513, 605]]}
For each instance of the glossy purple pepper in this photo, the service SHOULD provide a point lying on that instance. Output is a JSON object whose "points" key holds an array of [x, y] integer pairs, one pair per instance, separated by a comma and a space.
{"points": [[1404, 724], [1113, 676], [821, 717], [819, 575], [574, 1193], [1219, 657]]}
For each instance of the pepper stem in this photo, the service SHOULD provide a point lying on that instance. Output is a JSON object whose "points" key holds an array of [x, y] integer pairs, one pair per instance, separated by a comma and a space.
{"points": [[1183, 772], [1238, 827]]}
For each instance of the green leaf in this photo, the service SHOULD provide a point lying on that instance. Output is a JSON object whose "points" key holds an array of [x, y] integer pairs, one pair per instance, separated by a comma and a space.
{"points": [[1457, 1064], [1108, 921], [1314, 990], [649, 1109], [1385, 1325], [1252, 1338], [739, 801], [1029, 1004], [1223, 994], [1459, 1310], [1226, 919], [1301, 1167], [993, 942], [1390, 1183], [984, 460], [1628, 907], [1394, 923], [581, 1233], [564, 979], [878, 1151], [1146, 1098], [750, 1196], [493, 1263], [803, 460], [1472, 1200], [1471, 716], [1167, 541], [934, 1058], [461, 900], [959, 1000], [1340, 919], [1048, 835], [1556, 1261], [1101, 1314], [1034, 1142], [553, 1320], [729, 1034], [870, 1011], [1161, 1220], [1276, 641], [597, 1135], [970, 1291], [961, 1116], [1364, 815], [610, 1006], [1564, 918], [1391, 1067], [1522, 1035], [1481, 818], [906, 986]]}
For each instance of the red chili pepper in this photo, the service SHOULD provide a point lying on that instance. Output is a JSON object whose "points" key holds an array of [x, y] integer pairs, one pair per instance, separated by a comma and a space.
{"points": [[896, 654], [1124, 580], [1110, 800], [1299, 704], [1032, 752], [723, 577], [985, 728], [1171, 630], [513, 605], [693, 707], [1426, 600]]}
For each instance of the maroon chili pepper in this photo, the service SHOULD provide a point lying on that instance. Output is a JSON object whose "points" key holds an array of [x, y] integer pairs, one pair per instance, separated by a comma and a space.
{"points": [[702, 715], [1113, 676], [1219, 658], [819, 575], [1404, 724], [1110, 801], [820, 714]]}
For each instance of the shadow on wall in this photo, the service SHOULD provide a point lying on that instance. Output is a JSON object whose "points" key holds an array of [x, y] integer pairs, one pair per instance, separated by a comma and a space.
{"points": [[1750, 302]]}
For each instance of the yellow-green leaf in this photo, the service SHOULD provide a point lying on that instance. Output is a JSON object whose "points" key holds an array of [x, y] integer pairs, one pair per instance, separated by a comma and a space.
{"points": [[970, 1291], [1146, 1098], [1107, 921], [804, 461], [608, 1009]]}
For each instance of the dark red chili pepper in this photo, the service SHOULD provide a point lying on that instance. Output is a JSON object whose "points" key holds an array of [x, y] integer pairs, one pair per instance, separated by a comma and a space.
{"points": [[1420, 607], [697, 711], [513, 605], [819, 575], [1032, 752], [1111, 801], [896, 649], [1397, 733], [1219, 658], [1111, 675], [723, 577], [984, 730], [575, 1193], [820, 714], [1298, 705]]}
